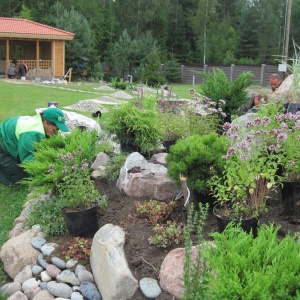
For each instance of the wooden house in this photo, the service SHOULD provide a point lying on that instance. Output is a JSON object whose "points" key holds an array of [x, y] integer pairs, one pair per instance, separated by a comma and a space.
{"points": [[40, 47]]}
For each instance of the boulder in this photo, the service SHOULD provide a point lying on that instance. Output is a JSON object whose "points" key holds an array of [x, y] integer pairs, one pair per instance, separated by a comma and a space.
{"points": [[111, 273], [18, 252], [140, 178]]}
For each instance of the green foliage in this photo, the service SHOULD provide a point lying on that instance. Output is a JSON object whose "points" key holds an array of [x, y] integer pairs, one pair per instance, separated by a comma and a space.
{"points": [[153, 76], [120, 85], [49, 216], [76, 190], [195, 267], [77, 248], [46, 154], [112, 169], [97, 72], [166, 234], [133, 125], [198, 158], [156, 212], [73, 21], [217, 87], [172, 70], [241, 267]]}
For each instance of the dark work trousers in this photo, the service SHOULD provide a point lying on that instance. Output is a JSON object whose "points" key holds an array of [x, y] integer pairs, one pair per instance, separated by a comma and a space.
{"points": [[22, 70], [10, 172]]}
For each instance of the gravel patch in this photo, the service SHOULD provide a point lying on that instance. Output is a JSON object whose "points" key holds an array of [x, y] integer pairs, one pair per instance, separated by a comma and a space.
{"points": [[122, 95]]}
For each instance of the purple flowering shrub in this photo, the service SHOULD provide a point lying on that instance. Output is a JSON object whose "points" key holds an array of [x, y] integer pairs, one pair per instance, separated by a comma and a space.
{"points": [[76, 189], [255, 155]]}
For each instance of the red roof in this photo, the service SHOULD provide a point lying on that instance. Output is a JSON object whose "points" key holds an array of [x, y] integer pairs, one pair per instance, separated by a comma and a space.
{"points": [[13, 27]]}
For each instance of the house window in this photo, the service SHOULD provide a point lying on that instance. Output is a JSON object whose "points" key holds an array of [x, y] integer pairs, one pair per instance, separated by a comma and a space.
{"points": [[20, 52]]}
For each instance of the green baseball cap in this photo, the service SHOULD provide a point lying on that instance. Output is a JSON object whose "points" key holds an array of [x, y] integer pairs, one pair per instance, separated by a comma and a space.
{"points": [[56, 116]]}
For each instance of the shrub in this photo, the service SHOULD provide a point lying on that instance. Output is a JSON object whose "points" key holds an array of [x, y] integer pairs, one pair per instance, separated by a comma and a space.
{"points": [[198, 158], [242, 267], [217, 87], [46, 155]]}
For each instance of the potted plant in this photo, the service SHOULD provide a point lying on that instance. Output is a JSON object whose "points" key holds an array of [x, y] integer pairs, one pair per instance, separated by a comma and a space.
{"points": [[290, 150], [78, 195], [182, 119], [173, 123], [254, 157], [135, 127], [198, 158]]}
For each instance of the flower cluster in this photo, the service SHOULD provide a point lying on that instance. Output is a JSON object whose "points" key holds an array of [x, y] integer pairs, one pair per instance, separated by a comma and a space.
{"points": [[260, 155], [205, 106], [76, 189]]}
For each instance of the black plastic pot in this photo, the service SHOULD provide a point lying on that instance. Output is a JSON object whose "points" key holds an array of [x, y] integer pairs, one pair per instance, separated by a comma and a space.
{"points": [[291, 197], [129, 147], [200, 198], [291, 107], [82, 223], [247, 225]]}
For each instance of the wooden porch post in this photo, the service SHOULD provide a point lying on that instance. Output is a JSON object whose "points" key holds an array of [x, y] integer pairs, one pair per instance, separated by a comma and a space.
{"points": [[7, 61], [37, 58]]}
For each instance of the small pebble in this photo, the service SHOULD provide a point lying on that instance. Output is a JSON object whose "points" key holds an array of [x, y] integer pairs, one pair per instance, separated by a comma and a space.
{"points": [[37, 242], [150, 287]]}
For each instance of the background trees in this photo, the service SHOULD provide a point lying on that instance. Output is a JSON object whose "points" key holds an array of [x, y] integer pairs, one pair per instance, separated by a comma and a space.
{"points": [[122, 33]]}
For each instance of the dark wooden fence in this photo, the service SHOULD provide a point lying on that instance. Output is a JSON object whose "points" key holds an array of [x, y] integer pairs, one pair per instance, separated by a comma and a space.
{"points": [[190, 74]]}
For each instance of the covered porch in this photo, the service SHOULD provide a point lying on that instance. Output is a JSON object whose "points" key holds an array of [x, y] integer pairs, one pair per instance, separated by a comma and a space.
{"points": [[40, 47]]}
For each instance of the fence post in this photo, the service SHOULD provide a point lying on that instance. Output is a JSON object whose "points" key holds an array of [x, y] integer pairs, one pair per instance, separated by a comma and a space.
{"points": [[231, 72], [204, 69], [262, 73], [181, 71], [162, 68], [193, 79]]}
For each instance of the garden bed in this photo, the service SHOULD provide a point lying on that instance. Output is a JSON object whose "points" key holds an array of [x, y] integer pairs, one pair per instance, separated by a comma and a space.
{"points": [[145, 259]]}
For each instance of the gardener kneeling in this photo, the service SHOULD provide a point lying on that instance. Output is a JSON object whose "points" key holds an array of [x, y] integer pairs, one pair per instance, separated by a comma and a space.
{"points": [[17, 136]]}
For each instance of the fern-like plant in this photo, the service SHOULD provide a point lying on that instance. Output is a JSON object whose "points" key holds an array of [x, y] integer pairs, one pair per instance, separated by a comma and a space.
{"points": [[47, 154]]}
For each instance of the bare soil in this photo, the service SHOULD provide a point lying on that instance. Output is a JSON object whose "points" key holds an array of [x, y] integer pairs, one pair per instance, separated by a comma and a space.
{"points": [[145, 259]]}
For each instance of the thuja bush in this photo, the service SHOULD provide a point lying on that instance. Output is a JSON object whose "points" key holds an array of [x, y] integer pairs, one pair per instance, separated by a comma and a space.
{"points": [[241, 267], [217, 86], [47, 154]]}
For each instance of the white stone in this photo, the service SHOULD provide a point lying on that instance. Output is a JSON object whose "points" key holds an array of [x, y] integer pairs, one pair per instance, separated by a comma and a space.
{"points": [[114, 283]]}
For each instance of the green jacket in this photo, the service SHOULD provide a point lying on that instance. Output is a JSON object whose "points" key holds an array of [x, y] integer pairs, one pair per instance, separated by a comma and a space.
{"points": [[18, 134]]}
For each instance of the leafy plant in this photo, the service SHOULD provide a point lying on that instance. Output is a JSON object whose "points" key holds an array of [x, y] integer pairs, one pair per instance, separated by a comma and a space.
{"points": [[156, 211], [261, 154], [48, 215], [198, 158], [76, 190], [77, 248], [195, 267], [112, 169], [241, 267], [46, 155], [135, 126], [167, 234], [217, 86]]}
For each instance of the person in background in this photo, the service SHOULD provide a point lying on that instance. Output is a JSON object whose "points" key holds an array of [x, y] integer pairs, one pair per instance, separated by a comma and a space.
{"points": [[17, 135], [257, 101], [11, 73], [275, 81], [23, 70]]}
